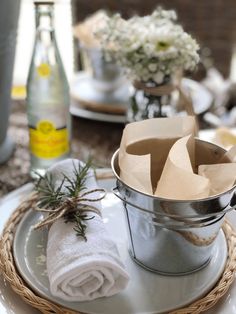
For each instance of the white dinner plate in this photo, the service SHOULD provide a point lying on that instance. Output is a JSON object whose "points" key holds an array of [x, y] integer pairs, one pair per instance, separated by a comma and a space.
{"points": [[146, 293], [78, 111], [82, 88], [10, 303]]}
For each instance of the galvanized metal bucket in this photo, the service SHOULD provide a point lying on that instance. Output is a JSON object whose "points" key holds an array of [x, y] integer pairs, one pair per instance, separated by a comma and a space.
{"points": [[170, 236]]}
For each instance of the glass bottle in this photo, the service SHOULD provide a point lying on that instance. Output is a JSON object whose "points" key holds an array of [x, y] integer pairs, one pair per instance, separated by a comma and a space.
{"points": [[48, 96]]}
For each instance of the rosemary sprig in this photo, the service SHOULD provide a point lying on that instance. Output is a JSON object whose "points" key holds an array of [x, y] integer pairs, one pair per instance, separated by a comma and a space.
{"points": [[76, 185], [78, 218], [51, 197]]}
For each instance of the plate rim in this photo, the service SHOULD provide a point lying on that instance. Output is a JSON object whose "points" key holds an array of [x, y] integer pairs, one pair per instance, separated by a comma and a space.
{"points": [[97, 116]]}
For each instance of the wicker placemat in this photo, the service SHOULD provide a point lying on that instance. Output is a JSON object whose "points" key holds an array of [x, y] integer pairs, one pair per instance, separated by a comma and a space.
{"points": [[11, 274]]}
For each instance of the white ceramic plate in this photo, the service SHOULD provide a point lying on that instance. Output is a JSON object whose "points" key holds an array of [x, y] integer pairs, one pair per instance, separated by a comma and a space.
{"points": [[78, 111], [144, 287], [84, 87], [81, 87], [10, 303], [146, 292]]}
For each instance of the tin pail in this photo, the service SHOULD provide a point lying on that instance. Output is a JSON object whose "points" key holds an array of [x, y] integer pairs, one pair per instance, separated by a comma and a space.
{"points": [[174, 237]]}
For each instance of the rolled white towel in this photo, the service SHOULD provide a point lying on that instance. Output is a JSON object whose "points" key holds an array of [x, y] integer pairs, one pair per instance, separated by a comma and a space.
{"points": [[80, 270]]}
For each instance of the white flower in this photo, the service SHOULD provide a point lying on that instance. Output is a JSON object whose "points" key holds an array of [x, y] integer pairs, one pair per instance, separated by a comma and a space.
{"points": [[149, 47], [152, 67], [158, 77]]}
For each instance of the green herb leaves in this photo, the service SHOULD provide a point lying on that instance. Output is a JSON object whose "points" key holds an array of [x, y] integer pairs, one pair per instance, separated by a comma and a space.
{"points": [[67, 198]]}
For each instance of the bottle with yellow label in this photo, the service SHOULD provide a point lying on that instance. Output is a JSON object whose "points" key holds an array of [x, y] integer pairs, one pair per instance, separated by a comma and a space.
{"points": [[47, 96]]}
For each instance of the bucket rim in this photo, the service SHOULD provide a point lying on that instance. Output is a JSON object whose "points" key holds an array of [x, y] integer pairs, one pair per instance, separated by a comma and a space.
{"points": [[232, 189]]}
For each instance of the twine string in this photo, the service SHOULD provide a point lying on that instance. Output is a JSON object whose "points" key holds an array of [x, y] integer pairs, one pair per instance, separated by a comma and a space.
{"points": [[70, 204]]}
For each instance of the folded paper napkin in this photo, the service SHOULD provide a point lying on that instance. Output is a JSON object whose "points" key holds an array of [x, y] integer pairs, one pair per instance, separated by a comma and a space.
{"points": [[160, 157], [210, 180], [80, 270], [178, 181], [143, 140]]}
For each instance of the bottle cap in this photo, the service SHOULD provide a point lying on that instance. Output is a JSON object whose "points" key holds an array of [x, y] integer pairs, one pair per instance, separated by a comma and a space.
{"points": [[44, 2]]}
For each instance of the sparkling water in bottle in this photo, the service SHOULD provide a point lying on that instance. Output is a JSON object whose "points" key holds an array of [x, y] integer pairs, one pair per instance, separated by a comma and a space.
{"points": [[48, 96]]}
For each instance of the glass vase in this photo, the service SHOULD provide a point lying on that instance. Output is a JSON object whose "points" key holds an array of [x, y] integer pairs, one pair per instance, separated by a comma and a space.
{"points": [[151, 100]]}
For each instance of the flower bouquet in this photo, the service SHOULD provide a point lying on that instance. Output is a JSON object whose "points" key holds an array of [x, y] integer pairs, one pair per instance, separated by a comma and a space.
{"points": [[153, 50]]}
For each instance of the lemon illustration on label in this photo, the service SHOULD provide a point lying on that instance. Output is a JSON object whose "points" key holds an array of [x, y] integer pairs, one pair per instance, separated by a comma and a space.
{"points": [[44, 70], [45, 126], [46, 141]]}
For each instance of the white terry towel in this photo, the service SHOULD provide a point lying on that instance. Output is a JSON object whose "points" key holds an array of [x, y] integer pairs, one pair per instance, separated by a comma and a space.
{"points": [[80, 270]]}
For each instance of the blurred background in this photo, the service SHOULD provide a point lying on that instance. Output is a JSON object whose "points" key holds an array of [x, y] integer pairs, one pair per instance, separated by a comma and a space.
{"points": [[212, 23], [98, 133]]}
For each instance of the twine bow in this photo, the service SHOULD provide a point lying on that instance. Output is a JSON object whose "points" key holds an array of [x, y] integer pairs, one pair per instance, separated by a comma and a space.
{"points": [[69, 205]]}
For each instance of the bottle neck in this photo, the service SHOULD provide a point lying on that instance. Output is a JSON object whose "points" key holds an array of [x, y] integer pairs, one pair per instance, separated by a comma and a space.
{"points": [[44, 17]]}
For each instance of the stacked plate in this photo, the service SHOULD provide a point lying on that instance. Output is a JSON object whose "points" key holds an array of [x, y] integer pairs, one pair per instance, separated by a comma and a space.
{"points": [[96, 100]]}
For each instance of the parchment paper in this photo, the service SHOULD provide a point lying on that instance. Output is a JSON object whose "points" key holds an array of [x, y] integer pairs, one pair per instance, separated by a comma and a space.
{"points": [[178, 181], [157, 157], [145, 146]]}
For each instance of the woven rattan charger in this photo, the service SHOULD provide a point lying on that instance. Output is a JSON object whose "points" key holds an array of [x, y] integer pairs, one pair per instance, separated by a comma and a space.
{"points": [[11, 274]]}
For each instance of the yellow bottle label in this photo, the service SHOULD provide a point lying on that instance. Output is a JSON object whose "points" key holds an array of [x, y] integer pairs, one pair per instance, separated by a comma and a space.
{"points": [[48, 142], [44, 70]]}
